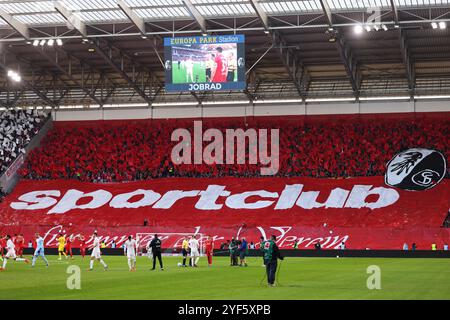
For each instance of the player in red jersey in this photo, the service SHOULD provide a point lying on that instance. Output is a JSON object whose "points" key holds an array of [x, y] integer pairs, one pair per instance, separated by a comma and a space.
{"points": [[19, 243], [82, 246], [209, 248], [220, 71], [14, 240], [69, 247], [2, 246]]}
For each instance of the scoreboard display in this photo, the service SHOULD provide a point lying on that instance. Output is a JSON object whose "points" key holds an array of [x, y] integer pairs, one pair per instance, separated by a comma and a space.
{"points": [[211, 63]]}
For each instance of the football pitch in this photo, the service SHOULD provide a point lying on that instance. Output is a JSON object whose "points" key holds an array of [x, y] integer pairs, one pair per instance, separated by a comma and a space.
{"points": [[298, 278], [179, 75]]}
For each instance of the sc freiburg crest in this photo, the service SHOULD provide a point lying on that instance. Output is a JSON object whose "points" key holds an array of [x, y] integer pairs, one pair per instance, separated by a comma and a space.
{"points": [[416, 169]]}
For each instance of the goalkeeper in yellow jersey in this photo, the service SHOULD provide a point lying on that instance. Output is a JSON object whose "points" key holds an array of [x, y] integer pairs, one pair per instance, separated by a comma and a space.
{"points": [[61, 244]]}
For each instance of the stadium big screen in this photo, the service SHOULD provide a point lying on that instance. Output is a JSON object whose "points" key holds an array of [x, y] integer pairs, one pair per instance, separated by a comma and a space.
{"points": [[211, 63]]}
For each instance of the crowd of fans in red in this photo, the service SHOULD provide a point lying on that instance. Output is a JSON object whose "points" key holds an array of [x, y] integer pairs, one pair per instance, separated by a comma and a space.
{"points": [[137, 150]]}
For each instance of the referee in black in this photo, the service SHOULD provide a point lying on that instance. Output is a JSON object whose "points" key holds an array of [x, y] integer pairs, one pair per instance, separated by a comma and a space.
{"points": [[155, 245]]}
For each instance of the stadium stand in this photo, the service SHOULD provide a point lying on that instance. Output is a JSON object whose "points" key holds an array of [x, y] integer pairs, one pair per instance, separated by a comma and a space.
{"points": [[17, 128], [446, 223], [317, 154], [324, 147], [2, 194]]}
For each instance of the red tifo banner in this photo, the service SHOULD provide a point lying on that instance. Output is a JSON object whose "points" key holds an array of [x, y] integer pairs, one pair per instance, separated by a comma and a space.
{"points": [[362, 212]]}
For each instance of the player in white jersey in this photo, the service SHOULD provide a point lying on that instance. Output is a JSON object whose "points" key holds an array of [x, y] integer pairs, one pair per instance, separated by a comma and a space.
{"points": [[11, 253], [189, 70], [96, 253], [130, 251], [194, 246]]}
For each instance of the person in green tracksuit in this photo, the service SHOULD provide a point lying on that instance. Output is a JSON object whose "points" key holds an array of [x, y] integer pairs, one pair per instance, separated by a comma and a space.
{"points": [[261, 249], [271, 256]]}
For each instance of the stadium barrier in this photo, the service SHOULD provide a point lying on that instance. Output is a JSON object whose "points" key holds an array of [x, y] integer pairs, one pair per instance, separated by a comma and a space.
{"points": [[288, 253]]}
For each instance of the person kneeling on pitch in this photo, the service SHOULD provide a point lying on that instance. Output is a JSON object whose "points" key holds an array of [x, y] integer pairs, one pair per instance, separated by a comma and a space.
{"points": [[155, 245], [271, 256]]}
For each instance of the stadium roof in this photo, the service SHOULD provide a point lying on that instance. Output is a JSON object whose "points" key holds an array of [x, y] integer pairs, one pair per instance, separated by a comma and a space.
{"points": [[112, 52]]}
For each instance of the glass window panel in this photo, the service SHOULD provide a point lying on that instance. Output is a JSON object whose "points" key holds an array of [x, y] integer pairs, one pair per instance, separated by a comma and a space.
{"points": [[225, 10], [89, 4], [29, 7], [40, 18], [285, 6], [102, 16]]}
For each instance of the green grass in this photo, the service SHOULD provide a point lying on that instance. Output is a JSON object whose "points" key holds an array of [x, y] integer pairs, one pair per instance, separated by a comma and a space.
{"points": [[179, 75], [299, 278]]}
